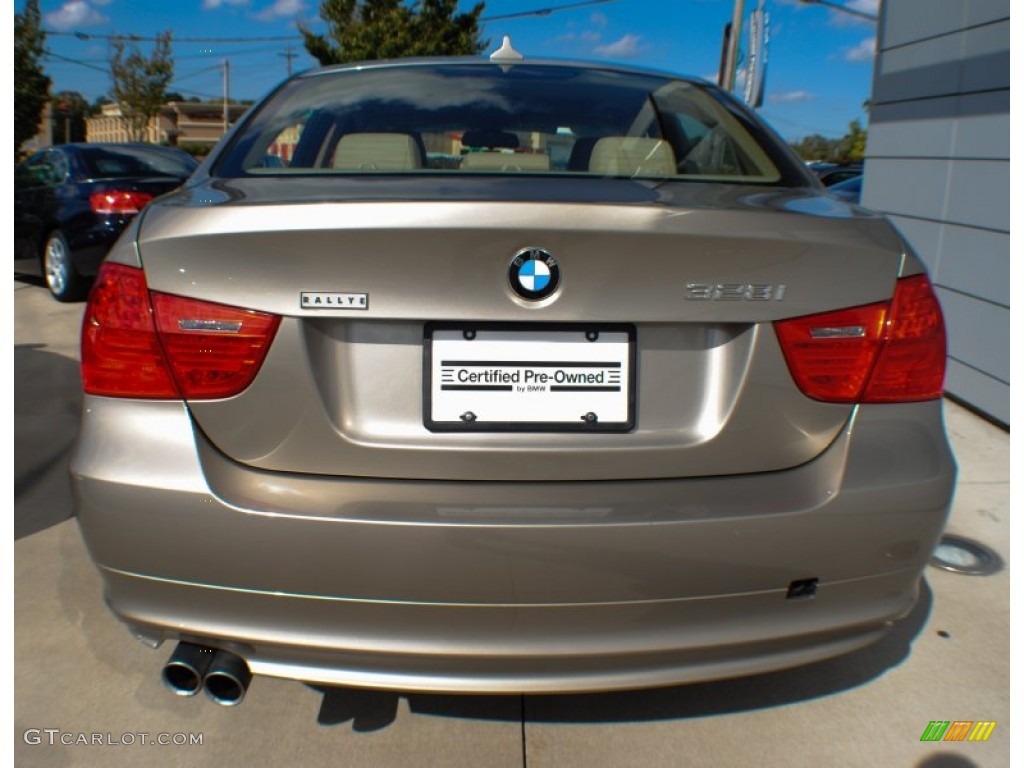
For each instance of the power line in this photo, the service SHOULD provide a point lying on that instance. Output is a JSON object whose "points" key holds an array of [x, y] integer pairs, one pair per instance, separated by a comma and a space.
{"points": [[247, 52], [545, 11], [204, 70], [176, 87], [190, 56], [171, 86], [823, 131], [145, 39], [51, 54]]}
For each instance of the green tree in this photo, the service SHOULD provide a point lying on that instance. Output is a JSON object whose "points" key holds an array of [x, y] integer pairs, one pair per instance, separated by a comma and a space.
{"points": [[140, 83], [850, 148], [815, 148], [31, 86], [69, 111], [361, 30]]}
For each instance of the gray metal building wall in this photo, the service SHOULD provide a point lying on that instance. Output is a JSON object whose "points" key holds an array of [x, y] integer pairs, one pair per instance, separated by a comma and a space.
{"points": [[938, 162]]}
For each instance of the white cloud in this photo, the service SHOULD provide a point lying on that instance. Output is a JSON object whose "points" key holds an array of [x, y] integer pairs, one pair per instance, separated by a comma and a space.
{"points": [[282, 9], [840, 19], [626, 47], [864, 6], [74, 15], [790, 97], [209, 5], [865, 51], [599, 20]]}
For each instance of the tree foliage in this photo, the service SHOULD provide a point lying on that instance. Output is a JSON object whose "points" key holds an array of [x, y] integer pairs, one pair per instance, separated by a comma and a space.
{"points": [[848, 149], [361, 30], [851, 147], [140, 83], [31, 85]]}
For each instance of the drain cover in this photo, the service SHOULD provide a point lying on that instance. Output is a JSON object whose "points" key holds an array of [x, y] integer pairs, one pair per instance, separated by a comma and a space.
{"points": [[960, 555]]}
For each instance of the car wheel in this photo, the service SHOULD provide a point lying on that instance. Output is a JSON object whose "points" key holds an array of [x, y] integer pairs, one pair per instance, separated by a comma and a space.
{"points": [[61, 276]]}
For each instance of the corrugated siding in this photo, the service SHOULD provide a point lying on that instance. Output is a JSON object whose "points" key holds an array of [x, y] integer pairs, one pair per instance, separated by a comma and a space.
{"points": [[938, 161]]}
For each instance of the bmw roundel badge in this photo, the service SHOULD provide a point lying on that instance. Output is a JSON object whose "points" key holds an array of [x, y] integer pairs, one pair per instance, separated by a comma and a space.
{"points": [[534, 274]]}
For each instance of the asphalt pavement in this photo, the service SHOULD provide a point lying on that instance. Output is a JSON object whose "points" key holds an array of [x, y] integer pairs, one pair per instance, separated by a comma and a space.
{"points": [[86, 692]]}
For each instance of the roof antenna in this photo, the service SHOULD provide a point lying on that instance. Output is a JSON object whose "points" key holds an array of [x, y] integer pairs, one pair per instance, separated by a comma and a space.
{"points": [[506, 52]]}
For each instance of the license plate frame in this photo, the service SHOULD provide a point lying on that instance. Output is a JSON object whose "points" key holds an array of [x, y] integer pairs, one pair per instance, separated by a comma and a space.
{"points": [[588, 390]]}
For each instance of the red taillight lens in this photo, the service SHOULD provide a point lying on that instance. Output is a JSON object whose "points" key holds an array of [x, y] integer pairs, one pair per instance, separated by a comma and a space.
{"points": [[913, 361], [118, 201], [879, 353], [214, 350], [121, 354], [170, 348]]}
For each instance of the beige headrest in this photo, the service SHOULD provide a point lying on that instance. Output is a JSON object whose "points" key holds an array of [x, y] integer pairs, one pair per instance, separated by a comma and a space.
{"points": [[377, 152], [632, 156]]}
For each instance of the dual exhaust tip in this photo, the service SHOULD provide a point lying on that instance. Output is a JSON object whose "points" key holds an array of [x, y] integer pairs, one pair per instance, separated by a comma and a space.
{"points": [[224, 676]]}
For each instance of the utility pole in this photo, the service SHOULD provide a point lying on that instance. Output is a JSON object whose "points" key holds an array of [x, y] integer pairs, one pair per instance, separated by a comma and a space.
{"points": [[227, 114], [728, 76], [289, 55]]}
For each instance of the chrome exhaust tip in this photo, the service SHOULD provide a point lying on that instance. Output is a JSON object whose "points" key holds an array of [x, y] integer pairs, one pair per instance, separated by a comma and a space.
{"points": [[227, 679], [185, 669]]}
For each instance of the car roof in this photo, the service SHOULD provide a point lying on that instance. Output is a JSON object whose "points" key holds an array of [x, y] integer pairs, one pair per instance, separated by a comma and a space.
{"points": [[114, 145], [457, 61]]}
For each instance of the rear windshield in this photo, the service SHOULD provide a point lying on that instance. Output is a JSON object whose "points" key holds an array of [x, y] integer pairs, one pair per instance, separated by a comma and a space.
{"points": [[119, 162], [497, 119]]}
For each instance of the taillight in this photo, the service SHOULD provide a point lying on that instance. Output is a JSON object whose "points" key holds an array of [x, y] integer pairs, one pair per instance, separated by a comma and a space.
{"points": [[913, 361], [121, 354], [879, 353], [152, 345], [124, 201], [214, 350]]}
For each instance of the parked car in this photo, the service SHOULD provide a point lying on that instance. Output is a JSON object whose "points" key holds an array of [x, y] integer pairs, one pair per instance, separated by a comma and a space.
{"points": [[830, 174], [848, 190], [71, 202], [508, 376]]}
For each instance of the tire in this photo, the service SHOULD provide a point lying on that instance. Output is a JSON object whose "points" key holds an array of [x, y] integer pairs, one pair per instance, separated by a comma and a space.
{"points": [[61, 277]]}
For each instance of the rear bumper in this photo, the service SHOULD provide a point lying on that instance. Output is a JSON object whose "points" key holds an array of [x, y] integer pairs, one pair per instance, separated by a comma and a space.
{"points": [[508, 587]]}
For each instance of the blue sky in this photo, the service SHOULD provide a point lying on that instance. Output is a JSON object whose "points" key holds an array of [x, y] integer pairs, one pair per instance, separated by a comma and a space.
{"points": [[819, 72]]}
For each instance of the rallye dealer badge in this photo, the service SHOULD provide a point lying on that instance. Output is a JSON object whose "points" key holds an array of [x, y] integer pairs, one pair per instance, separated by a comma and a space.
{"points": [[317, 300]]}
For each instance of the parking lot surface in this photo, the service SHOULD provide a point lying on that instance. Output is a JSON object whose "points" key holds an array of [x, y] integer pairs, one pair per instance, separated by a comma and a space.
{"points": [[87, 694]]}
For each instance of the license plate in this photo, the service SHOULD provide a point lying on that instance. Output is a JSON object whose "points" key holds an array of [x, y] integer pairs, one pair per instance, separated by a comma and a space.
{"points": [[489, 378]]}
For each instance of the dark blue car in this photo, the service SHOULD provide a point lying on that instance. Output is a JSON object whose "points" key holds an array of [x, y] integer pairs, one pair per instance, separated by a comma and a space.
{"points": [[71, 202]]}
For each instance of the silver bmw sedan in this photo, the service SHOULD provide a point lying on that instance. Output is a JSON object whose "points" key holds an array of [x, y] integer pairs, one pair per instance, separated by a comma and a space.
{"points": [[508, 376]]}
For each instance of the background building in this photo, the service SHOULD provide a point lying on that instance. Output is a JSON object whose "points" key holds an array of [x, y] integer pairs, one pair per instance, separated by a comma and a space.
{"points": [[938, 157], [179, 122]]}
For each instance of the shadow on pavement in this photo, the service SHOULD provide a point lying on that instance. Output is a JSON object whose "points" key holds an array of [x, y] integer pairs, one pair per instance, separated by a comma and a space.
{"points": [[946, 760], [374, 710], [47, 412]]}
